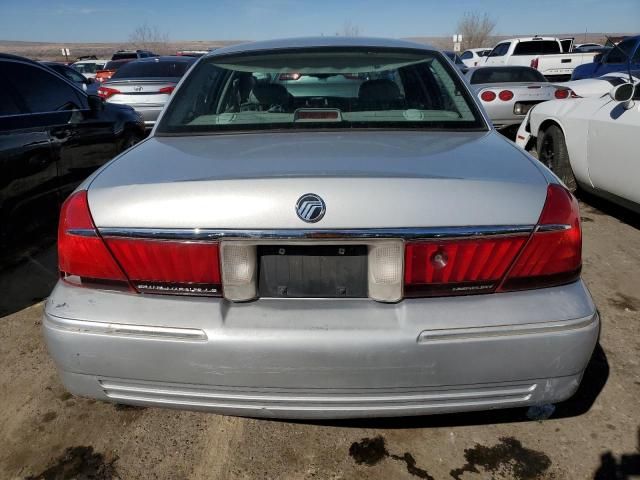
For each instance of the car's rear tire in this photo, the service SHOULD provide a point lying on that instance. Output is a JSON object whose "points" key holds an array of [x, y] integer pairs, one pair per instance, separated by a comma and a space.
{"points": [[129, 140], [552, 151]]}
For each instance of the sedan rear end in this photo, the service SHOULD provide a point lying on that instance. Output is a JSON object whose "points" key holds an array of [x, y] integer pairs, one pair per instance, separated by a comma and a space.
{"points": [[146, 84], [303, 255], [507, 93]]}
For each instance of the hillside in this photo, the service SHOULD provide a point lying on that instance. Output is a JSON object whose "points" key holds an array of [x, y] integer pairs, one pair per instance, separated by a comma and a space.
{"points": [[51, 50]]}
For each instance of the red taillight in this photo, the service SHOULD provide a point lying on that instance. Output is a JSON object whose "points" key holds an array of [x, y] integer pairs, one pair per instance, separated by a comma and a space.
{"points": [[505, 95], [550, 256], [289, 76], [534, 63], [167, 90], [562, 93], [458, 267], [106, 92], [488, 96], [81, 251], [102, 75], [172, 267], [150, 266], [553, 254]]}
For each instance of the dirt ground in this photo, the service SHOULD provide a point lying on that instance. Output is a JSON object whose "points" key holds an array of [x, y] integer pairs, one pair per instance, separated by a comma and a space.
{"points": [[47, 433]]}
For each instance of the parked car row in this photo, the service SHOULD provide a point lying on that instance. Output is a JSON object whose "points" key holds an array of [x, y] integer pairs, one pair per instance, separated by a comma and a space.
{"points": [[559, 59]]}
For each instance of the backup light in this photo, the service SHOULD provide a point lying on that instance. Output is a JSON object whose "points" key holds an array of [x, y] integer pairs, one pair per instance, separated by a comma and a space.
{"points": [[239, 271], [385, 271]]}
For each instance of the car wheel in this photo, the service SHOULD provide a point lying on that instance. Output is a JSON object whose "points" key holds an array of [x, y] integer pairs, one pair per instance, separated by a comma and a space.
{"points": [[552, 151]]}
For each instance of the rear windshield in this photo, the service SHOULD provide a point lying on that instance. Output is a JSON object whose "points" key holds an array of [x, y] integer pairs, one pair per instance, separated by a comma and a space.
{"points": [[124, 56], [153, 68], [506, 75], [537, 47], [321, 89], [114, 65], [88, 67]]}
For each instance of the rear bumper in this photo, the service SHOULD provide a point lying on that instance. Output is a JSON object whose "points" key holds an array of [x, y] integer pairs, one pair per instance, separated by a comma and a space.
{"points": [[323, 358], [149, 113]]}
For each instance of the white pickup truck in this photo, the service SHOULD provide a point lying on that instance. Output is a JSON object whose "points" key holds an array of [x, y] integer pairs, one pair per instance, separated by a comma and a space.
{"points": [[542, 53]]}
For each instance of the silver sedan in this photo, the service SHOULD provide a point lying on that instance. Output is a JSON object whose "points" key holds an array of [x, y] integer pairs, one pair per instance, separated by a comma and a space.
{"points": [[303, 254], [507, 93], [146, 84]]}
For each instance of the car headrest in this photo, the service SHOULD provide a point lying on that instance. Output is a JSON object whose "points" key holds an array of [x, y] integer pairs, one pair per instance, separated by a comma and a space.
{"points": [[381, 90], [269, 94]]}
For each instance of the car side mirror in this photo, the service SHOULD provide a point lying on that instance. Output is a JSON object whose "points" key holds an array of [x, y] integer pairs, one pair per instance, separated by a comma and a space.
{"points": [[96, 104]]}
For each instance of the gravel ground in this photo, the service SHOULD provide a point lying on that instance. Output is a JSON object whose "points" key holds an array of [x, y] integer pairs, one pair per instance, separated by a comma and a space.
{"points": [[47, 433]]}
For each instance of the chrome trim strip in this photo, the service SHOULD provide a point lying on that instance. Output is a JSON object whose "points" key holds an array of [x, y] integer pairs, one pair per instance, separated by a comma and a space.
{"points": [[553, 228], [83, 232], [118, 329], [506, 330], [159, 390], [316, 234]]}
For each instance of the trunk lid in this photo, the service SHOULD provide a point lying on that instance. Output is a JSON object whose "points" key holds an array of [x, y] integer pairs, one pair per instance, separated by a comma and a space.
{"points": [[366, 179], [142, 91]]}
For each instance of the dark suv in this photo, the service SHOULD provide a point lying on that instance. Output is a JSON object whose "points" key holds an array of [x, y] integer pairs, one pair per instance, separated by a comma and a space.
{"points": [[132, 54], [52, 136]]}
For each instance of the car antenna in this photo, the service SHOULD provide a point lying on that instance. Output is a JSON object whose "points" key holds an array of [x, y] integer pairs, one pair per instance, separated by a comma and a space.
{"points": [[615, 45]]}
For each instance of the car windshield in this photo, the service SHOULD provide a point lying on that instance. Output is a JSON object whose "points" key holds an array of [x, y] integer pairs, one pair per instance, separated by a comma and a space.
{"points": [[506, 75], [321, 89], [155, 68]]}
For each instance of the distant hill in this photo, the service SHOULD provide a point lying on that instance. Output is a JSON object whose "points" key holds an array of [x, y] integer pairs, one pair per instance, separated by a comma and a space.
{"points": [[51, 50]]}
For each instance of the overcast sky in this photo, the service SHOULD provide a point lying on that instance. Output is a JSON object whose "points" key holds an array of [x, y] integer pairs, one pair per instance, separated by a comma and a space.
{"points": [[114, 20]]}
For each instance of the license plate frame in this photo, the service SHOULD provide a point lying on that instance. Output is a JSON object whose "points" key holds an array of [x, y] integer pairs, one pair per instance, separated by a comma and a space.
{"points": [[312, 271]]}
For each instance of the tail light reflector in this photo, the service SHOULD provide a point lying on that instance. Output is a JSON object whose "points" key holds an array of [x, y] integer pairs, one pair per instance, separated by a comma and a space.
{"points": [[505, 95], [82, 255], [458, 267], [106, 92], [534, 63], [550, 256], [553, 254], [102, 75], [150, 266], [562, 93], [170, 267], [487, 96], [167, 90]]}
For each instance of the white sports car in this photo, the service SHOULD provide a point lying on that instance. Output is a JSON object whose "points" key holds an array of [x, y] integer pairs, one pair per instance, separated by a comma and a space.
{"points": [[590, 142]]}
